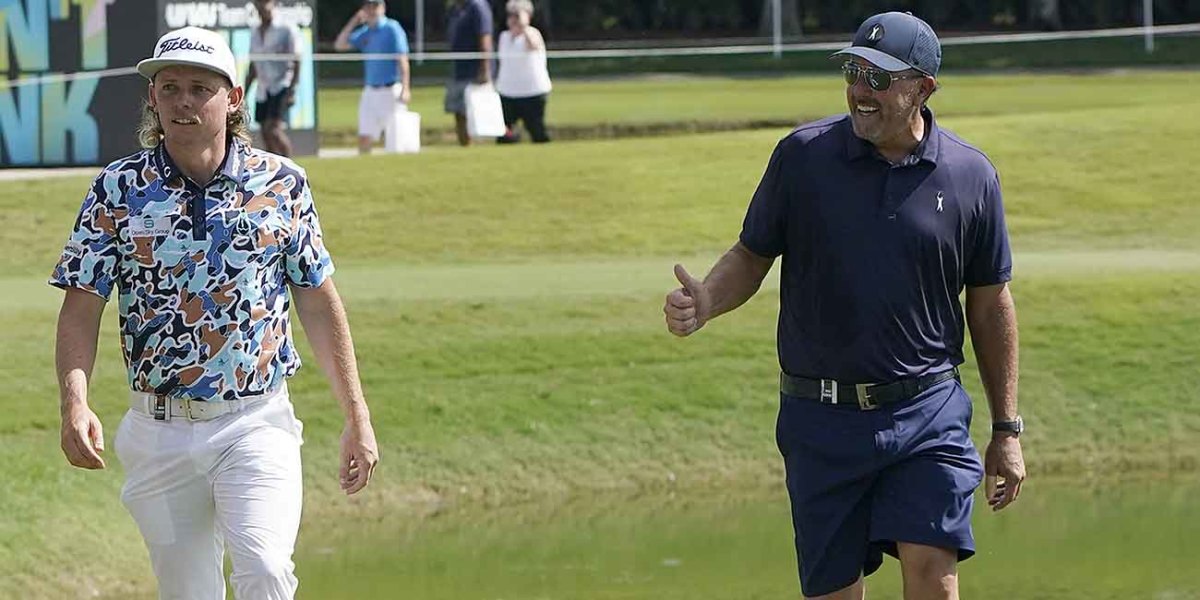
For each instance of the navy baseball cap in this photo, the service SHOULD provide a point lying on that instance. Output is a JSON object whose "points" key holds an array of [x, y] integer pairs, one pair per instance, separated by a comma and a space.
{"points": [[897, 41]]}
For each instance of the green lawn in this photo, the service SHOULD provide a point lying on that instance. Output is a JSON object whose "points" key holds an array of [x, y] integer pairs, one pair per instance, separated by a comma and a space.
{"points": [[508, 318], [683, 103]]}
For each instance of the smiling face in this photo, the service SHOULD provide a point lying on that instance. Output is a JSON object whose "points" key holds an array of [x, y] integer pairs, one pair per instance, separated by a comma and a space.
{"points": [[193, 103], [884, 117]]}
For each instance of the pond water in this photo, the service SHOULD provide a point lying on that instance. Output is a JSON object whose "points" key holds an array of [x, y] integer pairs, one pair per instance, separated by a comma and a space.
{"points": [[1064, 540]]}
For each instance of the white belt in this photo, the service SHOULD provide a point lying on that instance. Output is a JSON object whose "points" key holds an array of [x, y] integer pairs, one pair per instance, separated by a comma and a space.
{"points": [[164, 408]]}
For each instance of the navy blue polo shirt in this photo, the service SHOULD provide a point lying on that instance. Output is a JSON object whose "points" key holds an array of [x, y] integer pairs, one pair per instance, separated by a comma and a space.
{"points": [[875, 254], [465, 25]]}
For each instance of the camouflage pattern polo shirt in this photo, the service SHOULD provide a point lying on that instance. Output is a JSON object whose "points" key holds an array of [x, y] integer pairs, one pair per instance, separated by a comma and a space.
{"points": [[201, 272]]}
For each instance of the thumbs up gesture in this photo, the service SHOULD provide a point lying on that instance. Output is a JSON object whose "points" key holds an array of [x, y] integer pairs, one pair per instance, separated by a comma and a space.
{"points": [[686, 307]]}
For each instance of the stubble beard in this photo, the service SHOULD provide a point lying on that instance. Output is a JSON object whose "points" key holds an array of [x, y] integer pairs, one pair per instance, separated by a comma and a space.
{"points": [[887, 124]]}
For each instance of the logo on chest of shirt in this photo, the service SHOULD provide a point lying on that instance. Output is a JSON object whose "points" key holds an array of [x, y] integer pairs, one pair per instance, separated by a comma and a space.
{"points": [[149, 226], [242, 227], [940, 198]]}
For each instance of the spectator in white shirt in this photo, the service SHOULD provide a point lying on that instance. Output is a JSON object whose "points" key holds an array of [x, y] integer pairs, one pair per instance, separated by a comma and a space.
{"points": [[524, 81]]}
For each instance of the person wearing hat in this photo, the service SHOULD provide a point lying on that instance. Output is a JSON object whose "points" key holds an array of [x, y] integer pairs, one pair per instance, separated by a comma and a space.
{"points": [[882, 218], [206, 242], [387, 88]]}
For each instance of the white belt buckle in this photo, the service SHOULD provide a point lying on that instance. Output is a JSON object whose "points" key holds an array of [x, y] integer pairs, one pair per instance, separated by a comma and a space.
{"points": [[160, 407], [829, 391]]}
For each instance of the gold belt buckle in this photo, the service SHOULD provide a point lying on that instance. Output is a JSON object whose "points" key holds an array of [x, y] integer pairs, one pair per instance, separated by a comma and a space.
{"points": [[187, 409], [864, 397]]}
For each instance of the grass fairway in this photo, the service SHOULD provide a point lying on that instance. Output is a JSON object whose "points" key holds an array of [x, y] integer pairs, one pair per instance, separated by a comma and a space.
{"points": [[509, 326]]}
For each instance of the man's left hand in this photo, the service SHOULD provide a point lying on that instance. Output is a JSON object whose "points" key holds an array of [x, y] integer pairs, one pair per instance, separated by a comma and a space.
{"points": [[290, 98], [1004, 470], [405, 95], [359, 455]]}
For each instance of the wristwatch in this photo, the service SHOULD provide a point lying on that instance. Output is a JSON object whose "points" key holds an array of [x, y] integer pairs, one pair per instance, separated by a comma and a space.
{"points": [[1015, 426]]}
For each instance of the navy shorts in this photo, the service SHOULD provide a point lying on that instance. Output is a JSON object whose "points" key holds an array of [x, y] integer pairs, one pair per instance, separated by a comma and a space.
{"points": [[273, 108], [860, 481]]}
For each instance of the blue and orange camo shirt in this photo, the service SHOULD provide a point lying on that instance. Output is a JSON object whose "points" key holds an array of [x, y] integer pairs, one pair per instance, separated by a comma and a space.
{"points": [[201, 273]]}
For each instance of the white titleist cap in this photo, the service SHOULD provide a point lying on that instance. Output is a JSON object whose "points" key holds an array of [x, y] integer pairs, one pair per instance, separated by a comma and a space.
{"points": [[191, 46]]}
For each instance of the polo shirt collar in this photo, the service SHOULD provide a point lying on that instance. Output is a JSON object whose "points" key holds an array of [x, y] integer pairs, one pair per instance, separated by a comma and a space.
{"points": [[927, 150], [231, 166]]}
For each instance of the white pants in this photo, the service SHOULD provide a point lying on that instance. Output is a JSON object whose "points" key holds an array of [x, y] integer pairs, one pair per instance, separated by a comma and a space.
{"points": [[376, 108], [195, 488]]}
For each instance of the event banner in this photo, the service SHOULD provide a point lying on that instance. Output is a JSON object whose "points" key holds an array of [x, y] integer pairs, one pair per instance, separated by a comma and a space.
{"points": [[68, 94]]}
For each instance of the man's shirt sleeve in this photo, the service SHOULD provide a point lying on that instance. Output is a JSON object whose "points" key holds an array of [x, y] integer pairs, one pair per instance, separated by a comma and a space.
{"points": [[293, 41], [90, 260], [308, 263], [483, 18], [401, 39], [764, 230], [990, 261], [358, 37]]}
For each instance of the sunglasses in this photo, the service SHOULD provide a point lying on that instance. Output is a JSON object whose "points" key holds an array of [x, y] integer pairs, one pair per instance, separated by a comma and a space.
{"points": [[877, 80]]}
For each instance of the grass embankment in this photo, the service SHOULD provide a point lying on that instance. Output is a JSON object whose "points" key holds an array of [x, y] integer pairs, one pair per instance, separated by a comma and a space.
{"points": [[673, 104], [506, 309]]}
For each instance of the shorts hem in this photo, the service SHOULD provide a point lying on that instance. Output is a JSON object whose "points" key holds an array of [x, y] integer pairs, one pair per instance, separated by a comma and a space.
{"points": [[828, 589], [964, 549]]}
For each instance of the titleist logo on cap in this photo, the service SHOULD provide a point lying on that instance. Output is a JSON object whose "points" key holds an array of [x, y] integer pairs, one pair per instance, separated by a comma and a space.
{"points": [[182, 44]]}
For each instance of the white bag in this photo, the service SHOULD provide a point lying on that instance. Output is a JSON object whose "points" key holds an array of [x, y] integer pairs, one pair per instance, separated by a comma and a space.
{"points": [[485, 115], [403, 134]]}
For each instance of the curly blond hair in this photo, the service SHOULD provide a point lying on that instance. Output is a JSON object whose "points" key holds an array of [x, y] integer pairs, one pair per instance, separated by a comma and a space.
{"points": [[150, 130]]}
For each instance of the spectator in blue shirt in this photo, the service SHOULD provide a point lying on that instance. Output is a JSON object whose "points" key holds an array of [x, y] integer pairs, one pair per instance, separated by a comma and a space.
{"points": [[883, 219], [386, 89], [469, 27]]}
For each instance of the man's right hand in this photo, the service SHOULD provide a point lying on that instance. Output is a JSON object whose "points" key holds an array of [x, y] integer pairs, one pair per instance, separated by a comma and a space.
{"points": [[686, 307], [82, 438]]}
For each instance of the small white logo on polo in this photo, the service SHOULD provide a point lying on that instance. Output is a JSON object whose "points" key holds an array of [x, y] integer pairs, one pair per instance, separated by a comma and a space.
{"points": [[939, 199], [876, 33]]}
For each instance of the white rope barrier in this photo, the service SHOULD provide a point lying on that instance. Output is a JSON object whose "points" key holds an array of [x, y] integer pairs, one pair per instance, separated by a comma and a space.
{"points": [[1187, 28]]}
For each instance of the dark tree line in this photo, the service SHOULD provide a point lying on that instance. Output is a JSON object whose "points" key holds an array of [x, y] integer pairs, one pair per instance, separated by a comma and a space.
{"points": [[632, 19]]}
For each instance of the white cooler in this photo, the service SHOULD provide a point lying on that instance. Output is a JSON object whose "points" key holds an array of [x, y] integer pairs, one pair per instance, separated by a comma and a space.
{"points": [[403, 134]]}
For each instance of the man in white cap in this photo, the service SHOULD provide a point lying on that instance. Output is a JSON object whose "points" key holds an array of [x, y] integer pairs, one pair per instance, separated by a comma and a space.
{"points": [[206, 241]]}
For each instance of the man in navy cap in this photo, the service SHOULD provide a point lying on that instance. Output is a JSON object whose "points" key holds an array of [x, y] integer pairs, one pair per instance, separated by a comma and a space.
{"points": [[882, 219]]}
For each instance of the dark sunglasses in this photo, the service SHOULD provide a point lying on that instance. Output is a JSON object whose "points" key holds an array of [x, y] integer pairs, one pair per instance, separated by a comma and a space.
{"points": [[877, 80]]}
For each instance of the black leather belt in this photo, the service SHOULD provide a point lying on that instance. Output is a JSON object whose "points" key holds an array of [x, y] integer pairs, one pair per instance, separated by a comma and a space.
{"points": [[865, 396], [386, 85]]}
